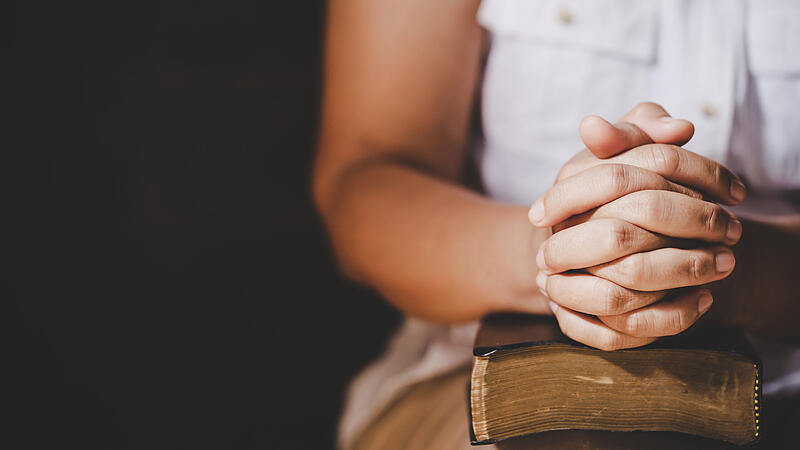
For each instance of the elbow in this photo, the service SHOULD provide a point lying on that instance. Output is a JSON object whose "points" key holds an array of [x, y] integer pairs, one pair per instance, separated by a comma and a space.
{"points": [[329, 174], [325, 183], [319, 187]]}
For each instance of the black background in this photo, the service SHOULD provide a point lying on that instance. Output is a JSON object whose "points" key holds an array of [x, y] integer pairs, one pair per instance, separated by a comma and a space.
{"points": [[171, 284]]}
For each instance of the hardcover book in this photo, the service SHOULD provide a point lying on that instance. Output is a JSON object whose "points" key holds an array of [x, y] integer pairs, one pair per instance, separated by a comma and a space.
{"points": [[527, 377]]}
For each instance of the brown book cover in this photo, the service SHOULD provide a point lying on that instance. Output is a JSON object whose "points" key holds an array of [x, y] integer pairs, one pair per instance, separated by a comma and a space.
{"points": [[688, 367]]}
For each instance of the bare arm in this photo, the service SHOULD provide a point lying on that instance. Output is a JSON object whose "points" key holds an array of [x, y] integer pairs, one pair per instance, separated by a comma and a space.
{"points": [[400, 81]]}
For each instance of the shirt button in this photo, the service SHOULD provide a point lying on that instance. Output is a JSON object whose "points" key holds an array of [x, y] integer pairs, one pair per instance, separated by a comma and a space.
{"points": [[709, 109], [564, 15]]}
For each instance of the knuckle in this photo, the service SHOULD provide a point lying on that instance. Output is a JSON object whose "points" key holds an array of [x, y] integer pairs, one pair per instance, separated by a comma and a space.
{"points": [[617, 177], [710, 218], [665, 158], [613, 299], [650, 205], [715, 171], [629, 270], [696, 268], [622, 235], [676, 322], [564, 172], [713, 219], [693, 193], [644, 107], [573, 165], [557, 195], [680, 321], [637, 324]]}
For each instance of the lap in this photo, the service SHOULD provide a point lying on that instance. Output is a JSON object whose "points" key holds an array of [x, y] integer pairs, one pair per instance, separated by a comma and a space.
{"points": [[430, 415], [433, 415]]}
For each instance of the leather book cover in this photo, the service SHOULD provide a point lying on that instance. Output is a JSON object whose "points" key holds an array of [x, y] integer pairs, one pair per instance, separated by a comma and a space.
{"points": [[509, 331]]}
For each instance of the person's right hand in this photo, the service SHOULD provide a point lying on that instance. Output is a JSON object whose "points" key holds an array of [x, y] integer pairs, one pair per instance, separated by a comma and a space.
{"points": [[644, 197]]}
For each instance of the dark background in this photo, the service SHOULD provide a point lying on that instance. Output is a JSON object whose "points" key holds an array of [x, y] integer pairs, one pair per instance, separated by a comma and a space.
{"points": [[171, 284]]}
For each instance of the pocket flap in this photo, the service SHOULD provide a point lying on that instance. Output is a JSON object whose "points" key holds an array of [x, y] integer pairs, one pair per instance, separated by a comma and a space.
{"points": [[773, 37], [624, 27]]}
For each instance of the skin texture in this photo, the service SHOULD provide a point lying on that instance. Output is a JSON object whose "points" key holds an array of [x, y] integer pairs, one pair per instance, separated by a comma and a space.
{"points": [[632, 256], [399, 87], [620, 224], [400, 83]]}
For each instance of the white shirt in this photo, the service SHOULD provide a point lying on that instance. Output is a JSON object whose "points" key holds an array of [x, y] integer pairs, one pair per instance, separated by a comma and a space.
{"points": [[732, 67]]}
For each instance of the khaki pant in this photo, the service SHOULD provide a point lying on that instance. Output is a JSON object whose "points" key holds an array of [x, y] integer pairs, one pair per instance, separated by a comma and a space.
{"points": [[431, 415]]}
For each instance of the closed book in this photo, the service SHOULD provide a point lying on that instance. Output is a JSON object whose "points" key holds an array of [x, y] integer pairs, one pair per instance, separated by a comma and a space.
{"points": [[527, 377]]}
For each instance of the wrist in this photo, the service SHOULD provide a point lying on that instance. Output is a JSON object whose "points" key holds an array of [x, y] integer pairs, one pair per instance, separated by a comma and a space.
{"points": [[522, 244]]}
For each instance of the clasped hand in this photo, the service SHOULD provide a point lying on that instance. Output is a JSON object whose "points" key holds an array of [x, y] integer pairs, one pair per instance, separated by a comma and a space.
{"points": [[637, 231]]}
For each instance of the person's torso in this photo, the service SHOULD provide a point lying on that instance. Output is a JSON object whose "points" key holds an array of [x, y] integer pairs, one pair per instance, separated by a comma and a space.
{"points": [[730, 66]]}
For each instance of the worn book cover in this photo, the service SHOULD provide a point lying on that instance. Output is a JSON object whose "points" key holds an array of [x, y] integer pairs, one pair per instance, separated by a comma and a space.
{"points": [[527, 377]]}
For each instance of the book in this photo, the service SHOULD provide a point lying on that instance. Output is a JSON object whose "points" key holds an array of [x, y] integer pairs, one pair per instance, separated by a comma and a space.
{"points": [[527, 377]]}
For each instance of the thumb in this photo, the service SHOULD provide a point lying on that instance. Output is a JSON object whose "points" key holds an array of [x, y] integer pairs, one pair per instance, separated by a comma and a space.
{"points": [[644, 124]]}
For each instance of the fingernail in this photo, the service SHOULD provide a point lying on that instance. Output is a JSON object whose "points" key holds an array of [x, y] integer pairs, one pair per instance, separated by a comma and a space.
{"points": [[734, 230], [541, 281], [704, 302], [667, 119], [724, 262], [738, 191], [536, 213], [553, 306]]}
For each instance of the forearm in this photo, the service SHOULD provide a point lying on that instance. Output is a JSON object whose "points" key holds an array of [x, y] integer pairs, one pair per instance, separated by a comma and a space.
{"points": [[763, 293], [432, 248]]}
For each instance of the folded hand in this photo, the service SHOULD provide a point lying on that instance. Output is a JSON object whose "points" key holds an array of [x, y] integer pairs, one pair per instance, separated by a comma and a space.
{"points": [[631, 227]]}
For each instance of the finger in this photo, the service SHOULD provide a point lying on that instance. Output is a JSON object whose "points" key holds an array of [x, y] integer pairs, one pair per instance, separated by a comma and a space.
{"points": [[596, 242], [589, 294], [594, 187], [644, 124], [676, 164], [664, 318], [690, 169], [654, 120], [574, 220], [674, 215], [605, 140], [668, 268], [591, 331]]}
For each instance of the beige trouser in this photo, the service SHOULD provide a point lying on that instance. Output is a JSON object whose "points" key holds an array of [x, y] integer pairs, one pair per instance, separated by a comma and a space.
{"points": [[431, 415]]}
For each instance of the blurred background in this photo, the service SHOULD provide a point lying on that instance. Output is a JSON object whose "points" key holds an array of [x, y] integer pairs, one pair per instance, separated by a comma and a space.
{"points": [[171, 284]]}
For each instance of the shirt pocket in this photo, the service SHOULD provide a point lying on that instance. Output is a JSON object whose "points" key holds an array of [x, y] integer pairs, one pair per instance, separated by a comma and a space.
{"points": [[772, 38], [553, 62]]}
